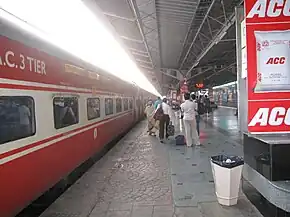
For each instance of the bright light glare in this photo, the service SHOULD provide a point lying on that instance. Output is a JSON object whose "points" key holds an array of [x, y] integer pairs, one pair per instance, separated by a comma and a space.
{"points": [[70, 25]]}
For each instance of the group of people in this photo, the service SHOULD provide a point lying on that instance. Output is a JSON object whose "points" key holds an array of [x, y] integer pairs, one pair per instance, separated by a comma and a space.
{"points": [[159, 116], [191, 110]]}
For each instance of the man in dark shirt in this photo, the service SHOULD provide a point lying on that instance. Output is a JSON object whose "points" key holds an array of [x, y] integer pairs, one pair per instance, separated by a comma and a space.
{"points": [[207, 104]]}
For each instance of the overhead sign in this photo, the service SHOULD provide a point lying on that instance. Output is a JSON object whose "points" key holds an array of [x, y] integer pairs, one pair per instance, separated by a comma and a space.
{"points": [[268, 65], [199, 85]]}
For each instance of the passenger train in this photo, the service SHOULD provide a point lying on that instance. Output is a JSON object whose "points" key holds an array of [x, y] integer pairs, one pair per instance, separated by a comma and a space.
{"points": [[56, 112]]}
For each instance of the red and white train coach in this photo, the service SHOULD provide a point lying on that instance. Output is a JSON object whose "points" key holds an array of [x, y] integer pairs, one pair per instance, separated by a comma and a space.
{"points": [[55, 113]]}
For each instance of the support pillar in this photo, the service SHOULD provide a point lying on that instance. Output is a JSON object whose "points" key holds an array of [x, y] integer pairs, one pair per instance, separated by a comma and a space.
{"points": [[241, 80]]}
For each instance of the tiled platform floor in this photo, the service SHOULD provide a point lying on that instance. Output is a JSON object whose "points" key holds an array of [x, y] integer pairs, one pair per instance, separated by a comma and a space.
{"points": [[141, 177], [225, 121]]}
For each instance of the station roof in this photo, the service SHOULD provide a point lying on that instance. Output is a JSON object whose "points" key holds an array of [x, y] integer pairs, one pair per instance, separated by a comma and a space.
{"points": [[172, 39]]}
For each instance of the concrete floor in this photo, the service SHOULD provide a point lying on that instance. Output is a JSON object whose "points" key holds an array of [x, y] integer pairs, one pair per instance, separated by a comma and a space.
{"points": [[141, 177]]}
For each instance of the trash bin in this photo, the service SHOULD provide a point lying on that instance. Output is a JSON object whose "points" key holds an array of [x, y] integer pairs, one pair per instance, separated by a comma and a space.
{"points": [[227, 171]]}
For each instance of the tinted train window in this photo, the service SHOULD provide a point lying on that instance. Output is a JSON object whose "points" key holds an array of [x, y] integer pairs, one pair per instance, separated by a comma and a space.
{"points": [[93, 108], [131, 104], [126, 104], [17, 118], [65, 111], [118, 105], [109, 106]]}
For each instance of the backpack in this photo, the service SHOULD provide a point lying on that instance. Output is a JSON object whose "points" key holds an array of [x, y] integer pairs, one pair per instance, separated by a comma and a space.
{"points": [[158, 113]]}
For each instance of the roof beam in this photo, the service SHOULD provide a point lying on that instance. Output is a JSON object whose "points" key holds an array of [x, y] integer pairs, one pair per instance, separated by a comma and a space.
{"points": [[145, 67], [138, 51], [197, 33], [142, 61], [160, 3], [188, 31], [159, 8], [172, 76], [221, 70], [139, 23], [201, 72], [219, 36], [179, 76], [139, 54], [118, 17], [180, 1], [131, 39]]}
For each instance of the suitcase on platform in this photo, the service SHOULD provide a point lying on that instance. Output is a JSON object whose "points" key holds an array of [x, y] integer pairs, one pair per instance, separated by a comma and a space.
{"points": [[180, 140]]}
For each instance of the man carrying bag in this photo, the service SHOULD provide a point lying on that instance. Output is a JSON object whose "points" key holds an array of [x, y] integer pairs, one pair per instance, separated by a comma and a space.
{"points": [[162, 114]]}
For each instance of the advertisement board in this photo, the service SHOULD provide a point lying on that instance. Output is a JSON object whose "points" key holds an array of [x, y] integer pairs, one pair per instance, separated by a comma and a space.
{"points": [[268, 65]]}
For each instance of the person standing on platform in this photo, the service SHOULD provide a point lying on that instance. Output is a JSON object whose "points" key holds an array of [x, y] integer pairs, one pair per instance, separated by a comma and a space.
{"points": [[149, 112], [189, 109], [164, 112], [197, 116], [157, 102], [207, 105]]}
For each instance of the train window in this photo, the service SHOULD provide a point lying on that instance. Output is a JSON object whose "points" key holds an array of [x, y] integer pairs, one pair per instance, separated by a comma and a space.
{"points": [[131, 104], [93, 108], [109, 106], [118, 105], [126, 104], [17, 118], [65, 111]]}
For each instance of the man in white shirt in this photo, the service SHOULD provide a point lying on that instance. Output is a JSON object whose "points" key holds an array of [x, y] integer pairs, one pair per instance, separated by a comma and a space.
{"points": [[189, 109], [164, 120]]}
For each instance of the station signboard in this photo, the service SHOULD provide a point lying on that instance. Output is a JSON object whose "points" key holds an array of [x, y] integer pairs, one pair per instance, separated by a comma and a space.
{"points": [[268, 65]]}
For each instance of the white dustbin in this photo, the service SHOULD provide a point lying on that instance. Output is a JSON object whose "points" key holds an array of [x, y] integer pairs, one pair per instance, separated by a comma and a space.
{"points": [[227, 178]]}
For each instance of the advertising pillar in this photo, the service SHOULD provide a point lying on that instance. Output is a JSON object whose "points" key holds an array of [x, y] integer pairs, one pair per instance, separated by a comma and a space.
{"points": [[267, 143], [268, 53]]}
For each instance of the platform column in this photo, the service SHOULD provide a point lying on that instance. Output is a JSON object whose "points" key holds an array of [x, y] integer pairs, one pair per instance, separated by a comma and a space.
{"points": [[241, 78]]}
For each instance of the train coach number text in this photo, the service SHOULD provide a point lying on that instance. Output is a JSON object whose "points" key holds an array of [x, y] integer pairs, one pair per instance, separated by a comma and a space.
{"points": [[11, 60]]}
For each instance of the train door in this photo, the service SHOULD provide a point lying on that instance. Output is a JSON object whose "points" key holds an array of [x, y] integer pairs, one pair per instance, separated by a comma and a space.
{"points": [[134, 109], [141, 107]]}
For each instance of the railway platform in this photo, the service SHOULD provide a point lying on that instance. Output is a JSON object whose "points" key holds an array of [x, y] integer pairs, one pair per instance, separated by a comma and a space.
{"points": [[225, 121], [141, 177]]}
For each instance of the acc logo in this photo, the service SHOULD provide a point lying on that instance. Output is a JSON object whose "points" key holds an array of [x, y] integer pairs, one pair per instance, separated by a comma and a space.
{"points": [[276, 60], [270, 8], [275, 117]]}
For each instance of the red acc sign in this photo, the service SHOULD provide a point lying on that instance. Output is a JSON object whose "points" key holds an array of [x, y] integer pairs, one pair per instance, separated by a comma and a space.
{"points": [[272, 8], [276, 60], [271, 117]]}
